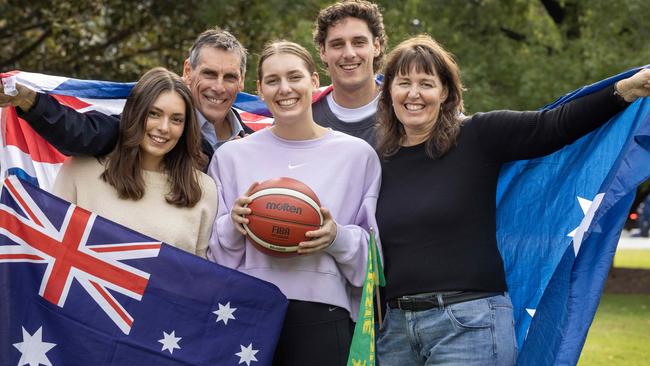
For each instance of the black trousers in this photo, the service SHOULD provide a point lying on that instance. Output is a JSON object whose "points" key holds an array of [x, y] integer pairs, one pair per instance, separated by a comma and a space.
{"points": [[314, 334]]}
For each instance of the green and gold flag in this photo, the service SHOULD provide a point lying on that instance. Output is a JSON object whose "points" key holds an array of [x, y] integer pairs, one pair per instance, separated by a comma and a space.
{"points": [[362, 350]]}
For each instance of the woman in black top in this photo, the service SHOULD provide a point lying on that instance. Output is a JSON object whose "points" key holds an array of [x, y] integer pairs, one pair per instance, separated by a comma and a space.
{"points": [[446, 288]]}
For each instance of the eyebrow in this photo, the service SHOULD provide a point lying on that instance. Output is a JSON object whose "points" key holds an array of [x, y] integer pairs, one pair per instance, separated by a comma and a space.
{"points": [[158, 109], [290, 73], [355, 38]]}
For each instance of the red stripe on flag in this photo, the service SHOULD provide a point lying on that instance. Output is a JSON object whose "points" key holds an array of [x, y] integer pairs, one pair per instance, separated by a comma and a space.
{"points": [[318, 95], [9, 73], [22, 202], [21, 135], [112, 303], [72, 102], [21, 256], [250, 117], [123, 248]]}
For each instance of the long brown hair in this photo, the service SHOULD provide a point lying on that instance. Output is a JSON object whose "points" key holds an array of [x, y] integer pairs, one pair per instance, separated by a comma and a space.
{"points": [[123, 166], [425, 55]]}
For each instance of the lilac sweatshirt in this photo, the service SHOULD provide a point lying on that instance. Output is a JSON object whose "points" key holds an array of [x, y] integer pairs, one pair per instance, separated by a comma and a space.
{"points": [[343, 171]]}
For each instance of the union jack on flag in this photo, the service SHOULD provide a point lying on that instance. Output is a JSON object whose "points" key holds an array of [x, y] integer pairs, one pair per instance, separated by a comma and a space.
{"points": [[64, 249], [77, 289]]}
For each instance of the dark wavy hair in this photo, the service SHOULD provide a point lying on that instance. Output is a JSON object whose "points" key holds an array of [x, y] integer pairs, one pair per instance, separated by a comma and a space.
{"points": [[360, 9], [425, 55], [123, 165]]}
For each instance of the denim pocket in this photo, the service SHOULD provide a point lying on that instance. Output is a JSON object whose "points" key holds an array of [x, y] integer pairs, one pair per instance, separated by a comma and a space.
{"points": [[476, 314]]}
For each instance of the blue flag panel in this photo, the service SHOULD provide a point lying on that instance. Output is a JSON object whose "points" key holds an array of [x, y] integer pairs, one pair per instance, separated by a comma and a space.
{"points": [[77, 289]]}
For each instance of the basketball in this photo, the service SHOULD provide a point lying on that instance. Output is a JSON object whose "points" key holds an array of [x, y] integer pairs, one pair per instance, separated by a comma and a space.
{"points": [[282, 211]]}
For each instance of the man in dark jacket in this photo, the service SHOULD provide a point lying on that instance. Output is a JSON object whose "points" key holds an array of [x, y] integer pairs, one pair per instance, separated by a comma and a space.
{"points": [[214, 72]]}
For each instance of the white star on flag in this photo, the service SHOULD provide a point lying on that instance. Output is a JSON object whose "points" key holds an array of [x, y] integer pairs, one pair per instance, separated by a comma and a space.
{"points": [[247, 354], [531, 312], [170, 341], [589, 209], [224, 313], [33, 349]]}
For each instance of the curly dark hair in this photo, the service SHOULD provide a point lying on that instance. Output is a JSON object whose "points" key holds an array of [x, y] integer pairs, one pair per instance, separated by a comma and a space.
{"points": [[360, 9], [425, 55]]}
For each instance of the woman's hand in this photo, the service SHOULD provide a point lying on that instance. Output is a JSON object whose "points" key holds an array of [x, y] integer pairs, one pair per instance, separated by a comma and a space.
{"points": [[321, 238], [239, 209], [636, 86]]}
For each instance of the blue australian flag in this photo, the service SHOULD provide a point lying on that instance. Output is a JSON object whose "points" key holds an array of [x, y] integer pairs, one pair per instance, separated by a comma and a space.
{"points": [[77, 289], [559, 219]]}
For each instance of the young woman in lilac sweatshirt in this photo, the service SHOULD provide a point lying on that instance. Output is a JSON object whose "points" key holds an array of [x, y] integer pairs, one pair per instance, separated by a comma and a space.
{"points": [[324, 281]]}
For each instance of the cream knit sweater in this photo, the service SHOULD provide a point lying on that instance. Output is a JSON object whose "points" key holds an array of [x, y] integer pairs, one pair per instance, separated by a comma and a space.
{"points": [[188, 229]]}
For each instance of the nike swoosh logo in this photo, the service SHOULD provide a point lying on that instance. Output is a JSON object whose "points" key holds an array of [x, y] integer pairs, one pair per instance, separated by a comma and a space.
{"points": [[332, 308], [291, 166]]}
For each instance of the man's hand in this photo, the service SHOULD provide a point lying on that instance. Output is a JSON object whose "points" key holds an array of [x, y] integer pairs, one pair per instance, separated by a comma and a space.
{"points": [[24, 99]]}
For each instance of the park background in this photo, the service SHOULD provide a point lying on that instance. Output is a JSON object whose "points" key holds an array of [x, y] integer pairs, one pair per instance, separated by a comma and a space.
{"points": [[513, 54]]}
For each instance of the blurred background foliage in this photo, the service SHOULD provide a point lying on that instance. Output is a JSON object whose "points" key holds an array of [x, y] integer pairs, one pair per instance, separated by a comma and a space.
{"points": [[514, 54]]}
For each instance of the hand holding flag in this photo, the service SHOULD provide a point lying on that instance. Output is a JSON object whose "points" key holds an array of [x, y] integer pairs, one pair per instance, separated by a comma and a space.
{"points": [[22, 97], [634, 87]]}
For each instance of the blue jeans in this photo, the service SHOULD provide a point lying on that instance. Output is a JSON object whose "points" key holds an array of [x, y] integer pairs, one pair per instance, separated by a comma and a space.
{"points": [[477, 332]]}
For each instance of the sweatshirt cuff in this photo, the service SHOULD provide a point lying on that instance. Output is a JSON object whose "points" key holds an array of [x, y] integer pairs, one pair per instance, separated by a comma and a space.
{"points": [[338, 248]]}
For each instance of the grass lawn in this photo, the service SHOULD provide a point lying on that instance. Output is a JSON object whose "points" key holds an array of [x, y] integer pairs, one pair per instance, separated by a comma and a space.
{"points": [[620, 333], [632, 258]]}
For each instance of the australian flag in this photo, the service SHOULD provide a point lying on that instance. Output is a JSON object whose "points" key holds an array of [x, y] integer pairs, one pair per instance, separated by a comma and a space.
{"points": [[559, 219], [77, 289]]}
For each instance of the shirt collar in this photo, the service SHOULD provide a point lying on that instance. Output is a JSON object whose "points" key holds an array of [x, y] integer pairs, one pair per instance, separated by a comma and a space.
{"points": [[208, 132]]}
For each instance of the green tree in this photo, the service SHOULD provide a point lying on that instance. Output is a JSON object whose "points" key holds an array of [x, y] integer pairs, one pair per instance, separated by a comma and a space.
{"points": [[106, 39], [515, 54], [255, 23], [521, 54]]}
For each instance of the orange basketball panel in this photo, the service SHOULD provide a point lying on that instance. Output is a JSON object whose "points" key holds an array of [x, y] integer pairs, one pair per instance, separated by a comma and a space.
{"points": [[285, 208]]}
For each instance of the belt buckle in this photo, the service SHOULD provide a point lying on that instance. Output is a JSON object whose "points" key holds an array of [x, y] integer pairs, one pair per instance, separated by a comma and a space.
{"points": [[404, 300]]}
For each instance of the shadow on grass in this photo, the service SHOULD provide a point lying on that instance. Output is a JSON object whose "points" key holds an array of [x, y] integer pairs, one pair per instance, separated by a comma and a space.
{"points": [[628, 281]]}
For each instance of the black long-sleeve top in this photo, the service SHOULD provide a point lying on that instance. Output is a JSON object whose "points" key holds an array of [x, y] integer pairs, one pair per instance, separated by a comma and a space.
{"points": [[437, 217], [82, 134]]}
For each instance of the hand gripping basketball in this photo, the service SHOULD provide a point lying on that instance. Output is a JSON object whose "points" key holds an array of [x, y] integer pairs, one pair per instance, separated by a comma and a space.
{"points": [[282, 210]]}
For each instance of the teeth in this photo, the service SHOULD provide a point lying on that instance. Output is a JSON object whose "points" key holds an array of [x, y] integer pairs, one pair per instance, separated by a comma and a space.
{"points": [[413, 107], [158, 139], [349, 67], [288, 102], [215, 100]]}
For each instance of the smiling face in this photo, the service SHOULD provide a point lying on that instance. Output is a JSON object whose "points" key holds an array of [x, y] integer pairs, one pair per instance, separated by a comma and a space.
{"points": [[286, 85], [416, 98], [214, 82], [348, 51], [164, 126]]}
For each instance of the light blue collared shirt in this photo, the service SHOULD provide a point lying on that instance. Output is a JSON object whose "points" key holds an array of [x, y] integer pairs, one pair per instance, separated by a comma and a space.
{"points": [[208, 132]]}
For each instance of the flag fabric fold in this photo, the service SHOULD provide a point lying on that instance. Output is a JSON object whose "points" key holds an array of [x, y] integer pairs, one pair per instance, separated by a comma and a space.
{"points": [[77, 289]]}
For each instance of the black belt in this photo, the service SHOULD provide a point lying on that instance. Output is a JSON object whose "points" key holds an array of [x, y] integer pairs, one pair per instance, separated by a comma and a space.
{"points": [[419, 303]]}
